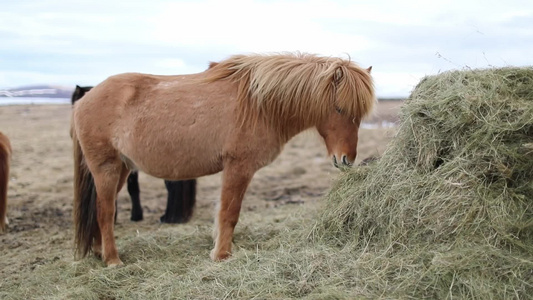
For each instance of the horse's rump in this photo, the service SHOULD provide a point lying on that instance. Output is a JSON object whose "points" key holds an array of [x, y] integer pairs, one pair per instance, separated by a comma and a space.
{"points": [[5, 156]]}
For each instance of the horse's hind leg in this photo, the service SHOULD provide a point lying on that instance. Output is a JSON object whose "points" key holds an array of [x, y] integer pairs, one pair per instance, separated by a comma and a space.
{"points": [[134, 191], [174, 199], [109, 176], [124, 173], [97, 245], [180, 202]]}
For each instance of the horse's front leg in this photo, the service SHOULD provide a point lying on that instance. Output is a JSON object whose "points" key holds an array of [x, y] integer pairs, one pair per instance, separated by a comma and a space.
{"points": [[234, 183]]}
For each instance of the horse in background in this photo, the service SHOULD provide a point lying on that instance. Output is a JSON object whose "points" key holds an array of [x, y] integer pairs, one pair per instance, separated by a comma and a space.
{"points": [[5, 157], [181, 194], [235, 117]]}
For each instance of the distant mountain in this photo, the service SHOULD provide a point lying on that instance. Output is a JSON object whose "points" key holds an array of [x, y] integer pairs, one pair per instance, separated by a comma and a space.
{"points": [[41, 91]]}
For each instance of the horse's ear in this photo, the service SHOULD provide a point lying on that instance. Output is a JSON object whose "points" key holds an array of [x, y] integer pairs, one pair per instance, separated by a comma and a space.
{"points": [[369, 69], [78, 88], [212, 64], [339, 73]]}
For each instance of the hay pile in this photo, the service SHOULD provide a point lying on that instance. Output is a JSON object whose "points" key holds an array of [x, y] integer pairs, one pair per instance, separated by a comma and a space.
{"points": [[448, 210]]}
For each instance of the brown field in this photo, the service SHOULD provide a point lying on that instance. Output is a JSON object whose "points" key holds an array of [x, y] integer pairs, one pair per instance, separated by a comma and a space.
{"points": [[40, 192]]}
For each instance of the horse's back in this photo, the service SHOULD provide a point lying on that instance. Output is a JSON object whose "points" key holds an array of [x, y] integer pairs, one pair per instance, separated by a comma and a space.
{"points": [[129, 90], [107, 101]]}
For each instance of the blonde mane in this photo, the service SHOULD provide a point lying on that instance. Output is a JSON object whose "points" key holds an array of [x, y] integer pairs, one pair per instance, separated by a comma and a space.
{"points": [[295, 86]]}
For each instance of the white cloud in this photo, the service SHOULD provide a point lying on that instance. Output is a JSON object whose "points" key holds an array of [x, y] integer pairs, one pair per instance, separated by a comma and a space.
{"points": [[252, 27], [394, 84]]}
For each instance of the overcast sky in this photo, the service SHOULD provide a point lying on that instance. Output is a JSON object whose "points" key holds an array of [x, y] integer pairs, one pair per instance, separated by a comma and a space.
{"points": [[83, 42]]}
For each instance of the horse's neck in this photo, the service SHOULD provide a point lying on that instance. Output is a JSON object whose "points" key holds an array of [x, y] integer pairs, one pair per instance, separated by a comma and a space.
{"points": [[291, 129]]}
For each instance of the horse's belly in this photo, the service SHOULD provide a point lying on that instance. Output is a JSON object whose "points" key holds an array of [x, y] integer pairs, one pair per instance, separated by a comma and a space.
{"points": [[177, 170], [173, 156], [173, 167]]}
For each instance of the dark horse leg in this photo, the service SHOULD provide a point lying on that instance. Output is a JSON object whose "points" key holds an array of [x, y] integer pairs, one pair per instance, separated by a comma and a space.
{"points": [[134, 191], [180, 202]]}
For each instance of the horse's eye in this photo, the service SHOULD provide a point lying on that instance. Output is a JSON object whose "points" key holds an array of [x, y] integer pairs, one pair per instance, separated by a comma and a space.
{"points": [[338, 110]]}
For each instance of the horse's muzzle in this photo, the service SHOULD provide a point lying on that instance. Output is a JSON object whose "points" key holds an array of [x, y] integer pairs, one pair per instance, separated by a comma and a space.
{"points": [[343, 163]]}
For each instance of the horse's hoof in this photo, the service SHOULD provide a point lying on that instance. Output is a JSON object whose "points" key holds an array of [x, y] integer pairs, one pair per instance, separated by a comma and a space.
{"points": [[136, 218], [114, 263], [219, 256], [173, 220]]}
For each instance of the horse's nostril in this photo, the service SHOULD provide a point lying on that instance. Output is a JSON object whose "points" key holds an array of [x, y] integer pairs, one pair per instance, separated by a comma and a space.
{"points": [[345, 161], [335, 161]]}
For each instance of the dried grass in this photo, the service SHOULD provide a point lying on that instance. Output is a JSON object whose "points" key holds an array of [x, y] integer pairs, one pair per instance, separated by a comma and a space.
{"points": [[448, 210]]}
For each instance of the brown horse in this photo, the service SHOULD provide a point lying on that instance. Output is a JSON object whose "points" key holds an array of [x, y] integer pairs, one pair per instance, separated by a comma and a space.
{"points": [[234, 117], [5, 156]]}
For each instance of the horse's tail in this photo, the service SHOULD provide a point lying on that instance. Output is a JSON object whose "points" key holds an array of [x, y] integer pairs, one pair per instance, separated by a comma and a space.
{"points": [[84, 201], [5, 156]]}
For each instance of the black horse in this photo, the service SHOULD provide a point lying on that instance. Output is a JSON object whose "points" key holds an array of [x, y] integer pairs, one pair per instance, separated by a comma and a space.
{"points": [[181, 194]]}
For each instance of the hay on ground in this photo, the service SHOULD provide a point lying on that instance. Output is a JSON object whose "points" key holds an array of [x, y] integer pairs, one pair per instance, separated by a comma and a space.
{"points": [[448, 210]]}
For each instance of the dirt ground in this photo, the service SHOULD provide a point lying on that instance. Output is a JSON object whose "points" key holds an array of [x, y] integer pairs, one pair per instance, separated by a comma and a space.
{"points": [[40, 190]]}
